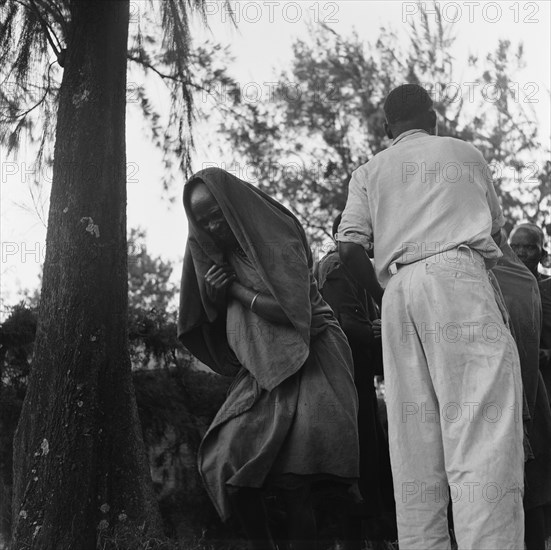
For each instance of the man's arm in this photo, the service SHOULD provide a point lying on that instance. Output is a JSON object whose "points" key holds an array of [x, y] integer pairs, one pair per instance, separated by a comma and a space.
{"points": [[354, 257], [485, 174], [355, 236]]}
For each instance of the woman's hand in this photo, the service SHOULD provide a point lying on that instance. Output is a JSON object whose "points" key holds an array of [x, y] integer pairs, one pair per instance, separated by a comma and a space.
{"points": [[218, 280], [377, 329]]}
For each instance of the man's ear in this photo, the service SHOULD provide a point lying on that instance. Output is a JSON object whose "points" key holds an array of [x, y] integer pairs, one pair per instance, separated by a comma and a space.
{"points": [[433, 120], [388, 131]]}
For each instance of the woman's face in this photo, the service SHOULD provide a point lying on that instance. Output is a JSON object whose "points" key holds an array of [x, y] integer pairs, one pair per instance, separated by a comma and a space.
{"points": [[209, 216]]}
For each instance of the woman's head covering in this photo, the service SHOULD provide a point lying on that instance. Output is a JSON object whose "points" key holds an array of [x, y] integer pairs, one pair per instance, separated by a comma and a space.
{"points": [[274, 242]]}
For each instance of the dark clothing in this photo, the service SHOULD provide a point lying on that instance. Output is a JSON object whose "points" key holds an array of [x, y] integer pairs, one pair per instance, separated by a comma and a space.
{"points": [[545, 361], [356, 311], [545, 369], [520, 291]]}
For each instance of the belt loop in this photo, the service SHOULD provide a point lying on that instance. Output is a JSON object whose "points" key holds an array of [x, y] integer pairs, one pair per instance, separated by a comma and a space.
{"points": [[471, 253]]}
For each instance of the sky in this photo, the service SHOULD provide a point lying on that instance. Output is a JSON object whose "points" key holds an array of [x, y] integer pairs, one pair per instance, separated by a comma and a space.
{"points": [[261, 43]]}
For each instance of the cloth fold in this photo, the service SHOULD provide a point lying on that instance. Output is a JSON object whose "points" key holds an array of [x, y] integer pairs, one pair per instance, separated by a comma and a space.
{"points": [[292, 409], [520, 292], [274, 241]]}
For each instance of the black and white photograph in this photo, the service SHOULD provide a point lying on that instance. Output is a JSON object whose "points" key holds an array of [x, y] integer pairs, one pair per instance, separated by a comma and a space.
{"points": [[275, 275]]}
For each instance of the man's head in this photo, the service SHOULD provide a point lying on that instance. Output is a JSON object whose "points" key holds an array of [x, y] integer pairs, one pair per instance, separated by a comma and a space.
{"points": [[527, 240], [408, 107]]}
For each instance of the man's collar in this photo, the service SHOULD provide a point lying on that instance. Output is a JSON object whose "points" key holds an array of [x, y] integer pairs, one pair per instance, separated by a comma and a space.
{"points": [[408, 133]]}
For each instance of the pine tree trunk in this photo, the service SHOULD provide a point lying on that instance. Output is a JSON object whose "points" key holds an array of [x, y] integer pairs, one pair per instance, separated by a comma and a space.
{"points": [[80, 471]]}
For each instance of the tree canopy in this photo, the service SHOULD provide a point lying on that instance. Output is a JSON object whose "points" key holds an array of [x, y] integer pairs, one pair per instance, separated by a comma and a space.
{"points": [[324, 118], [33, 49]]}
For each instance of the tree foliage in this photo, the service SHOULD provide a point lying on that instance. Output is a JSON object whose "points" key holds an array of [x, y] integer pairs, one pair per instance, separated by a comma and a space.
{"points": [[33, 46], [325, 118], [151, 298], [17, 335]]}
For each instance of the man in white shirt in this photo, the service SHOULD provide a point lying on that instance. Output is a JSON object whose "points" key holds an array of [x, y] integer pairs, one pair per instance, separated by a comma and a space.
{"points": [[427, 208]]}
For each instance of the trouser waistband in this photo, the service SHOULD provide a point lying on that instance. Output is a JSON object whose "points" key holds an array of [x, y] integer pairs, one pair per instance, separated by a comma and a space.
{"points": [[450, 255]]}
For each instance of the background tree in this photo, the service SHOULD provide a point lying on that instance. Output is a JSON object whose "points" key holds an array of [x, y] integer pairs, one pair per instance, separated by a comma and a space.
{"points": [[152, 313], [17, 336], [324, 119], [81, 476]]}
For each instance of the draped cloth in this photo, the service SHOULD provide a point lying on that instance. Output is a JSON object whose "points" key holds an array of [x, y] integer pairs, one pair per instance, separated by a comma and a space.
{"points": [[292, 407], [276, 244], [522, 299], [545, 364], [355, 310]]}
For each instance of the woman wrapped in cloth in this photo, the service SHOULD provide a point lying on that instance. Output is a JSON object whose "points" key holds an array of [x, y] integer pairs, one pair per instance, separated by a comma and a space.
{"points": [[249, 307]]}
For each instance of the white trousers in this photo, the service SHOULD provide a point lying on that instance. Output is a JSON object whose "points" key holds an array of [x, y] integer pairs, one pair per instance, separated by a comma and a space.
{"points": [[454, 398]]}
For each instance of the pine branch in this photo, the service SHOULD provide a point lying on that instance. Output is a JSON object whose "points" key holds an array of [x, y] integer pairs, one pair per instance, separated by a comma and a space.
{"points": [[42, 99], [190, 83]]}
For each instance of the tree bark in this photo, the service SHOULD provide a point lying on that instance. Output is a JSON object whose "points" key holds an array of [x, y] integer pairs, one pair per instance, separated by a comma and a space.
{"points": [[81, 477]]}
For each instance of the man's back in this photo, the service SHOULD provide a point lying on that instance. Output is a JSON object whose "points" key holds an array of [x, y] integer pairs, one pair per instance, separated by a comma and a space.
{"points": [[445, 344], [425, 194]]}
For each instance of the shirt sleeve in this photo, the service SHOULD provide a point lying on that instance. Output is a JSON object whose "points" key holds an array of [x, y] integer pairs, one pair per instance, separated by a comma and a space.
{"points": [[356, 224], [498, 221]]}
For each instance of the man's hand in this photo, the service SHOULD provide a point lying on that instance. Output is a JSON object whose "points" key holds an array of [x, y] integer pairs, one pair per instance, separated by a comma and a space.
{"points": [[377, 329], [217, 282]]}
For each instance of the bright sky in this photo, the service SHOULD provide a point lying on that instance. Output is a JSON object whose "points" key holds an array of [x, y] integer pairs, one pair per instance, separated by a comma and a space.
{"points": [[261, 44]]}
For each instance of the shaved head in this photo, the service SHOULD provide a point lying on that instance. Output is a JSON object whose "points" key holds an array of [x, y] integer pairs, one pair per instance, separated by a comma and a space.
{"points": [[532, 228], [406, 103], [409, 107], [527, 240]]}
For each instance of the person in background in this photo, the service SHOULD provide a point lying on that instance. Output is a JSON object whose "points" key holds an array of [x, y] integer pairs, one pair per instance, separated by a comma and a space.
{"points": [[527, 241], [522, 300], [250, 307], [445, 344], [358, 316]]}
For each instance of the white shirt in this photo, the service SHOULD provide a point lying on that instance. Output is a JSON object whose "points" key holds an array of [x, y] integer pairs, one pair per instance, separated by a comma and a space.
{"points": [[422, 196]]}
